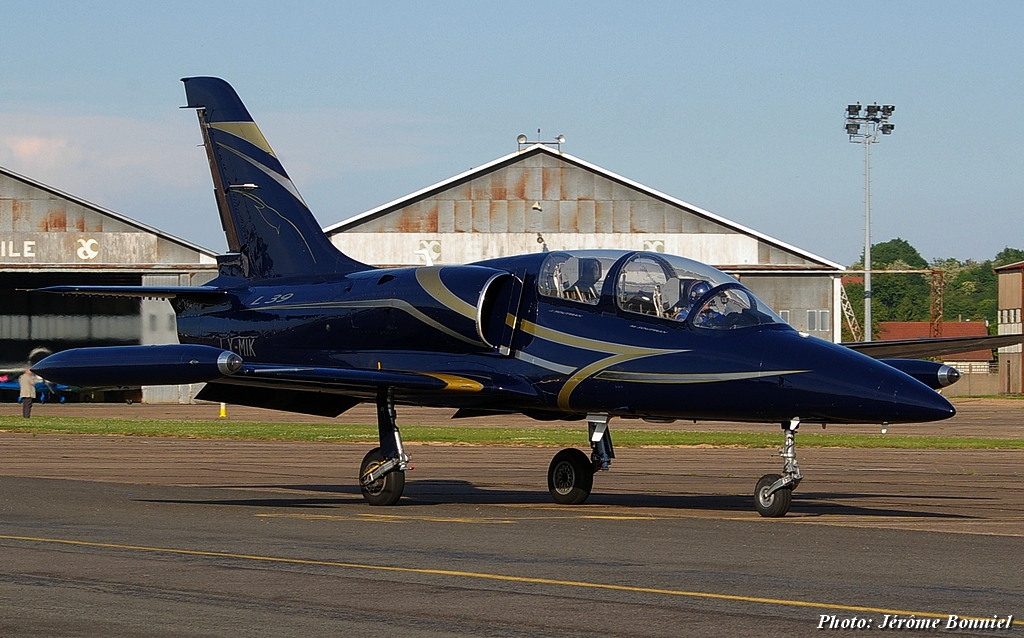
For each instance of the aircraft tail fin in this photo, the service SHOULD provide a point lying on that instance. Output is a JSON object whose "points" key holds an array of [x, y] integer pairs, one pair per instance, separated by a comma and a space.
{"points": [[265, 219]]}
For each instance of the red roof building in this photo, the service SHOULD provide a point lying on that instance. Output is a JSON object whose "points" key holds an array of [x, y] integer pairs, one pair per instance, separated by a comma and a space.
{"points": [[891, 330]]}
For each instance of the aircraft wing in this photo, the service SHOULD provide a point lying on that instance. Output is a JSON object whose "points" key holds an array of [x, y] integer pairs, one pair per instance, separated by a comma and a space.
{"points": [[199, 293], [300, 377], [331, 391], [917, 348]]}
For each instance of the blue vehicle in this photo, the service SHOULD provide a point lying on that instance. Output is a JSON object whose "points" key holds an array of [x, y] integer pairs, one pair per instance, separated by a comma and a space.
{"points": [[293, 324]]}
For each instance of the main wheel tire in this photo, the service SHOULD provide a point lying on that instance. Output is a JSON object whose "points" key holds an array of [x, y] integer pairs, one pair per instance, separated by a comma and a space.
{"points": [[385, 490], [570, 477], [775, 505]]}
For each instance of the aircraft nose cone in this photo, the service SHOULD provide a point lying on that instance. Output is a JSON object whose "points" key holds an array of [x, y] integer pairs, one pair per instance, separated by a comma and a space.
{"points": [[838, 385], [916, 402]]}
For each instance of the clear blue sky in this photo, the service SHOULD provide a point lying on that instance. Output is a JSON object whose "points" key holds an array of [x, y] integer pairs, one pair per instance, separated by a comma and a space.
{"points": [[736, 107]]}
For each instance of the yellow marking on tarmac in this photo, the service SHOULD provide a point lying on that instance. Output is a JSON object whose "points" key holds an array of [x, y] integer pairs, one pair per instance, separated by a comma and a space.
{"points": [[390, 518], [576, 584], [399, 518]]}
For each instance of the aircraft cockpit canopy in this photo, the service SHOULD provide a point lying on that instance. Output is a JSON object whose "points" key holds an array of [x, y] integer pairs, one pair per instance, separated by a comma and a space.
{"points": [[577, 276], [677, 288], [658, 285]]}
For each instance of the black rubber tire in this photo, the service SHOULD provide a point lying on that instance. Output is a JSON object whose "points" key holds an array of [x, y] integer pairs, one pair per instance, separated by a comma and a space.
{"points": [[776, 505], [570, 477], [384, 491]]}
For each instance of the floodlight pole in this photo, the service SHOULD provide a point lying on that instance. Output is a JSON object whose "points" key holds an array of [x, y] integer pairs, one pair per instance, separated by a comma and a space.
{"points": [[875, 121], [867, 238]]}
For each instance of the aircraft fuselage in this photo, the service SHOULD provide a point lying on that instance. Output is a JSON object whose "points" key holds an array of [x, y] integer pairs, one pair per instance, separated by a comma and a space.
{"points": [[570, 358]]}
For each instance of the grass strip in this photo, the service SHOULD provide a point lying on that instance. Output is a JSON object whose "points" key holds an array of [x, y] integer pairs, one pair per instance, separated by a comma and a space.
{"points": [[545, 436]]}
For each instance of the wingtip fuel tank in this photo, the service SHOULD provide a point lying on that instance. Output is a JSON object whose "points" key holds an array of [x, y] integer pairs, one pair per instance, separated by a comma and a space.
{"points": [[138, 365]]}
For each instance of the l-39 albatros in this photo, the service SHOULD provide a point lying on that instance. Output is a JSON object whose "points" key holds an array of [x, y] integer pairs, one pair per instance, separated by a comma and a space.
{"points": [[293, 324]]}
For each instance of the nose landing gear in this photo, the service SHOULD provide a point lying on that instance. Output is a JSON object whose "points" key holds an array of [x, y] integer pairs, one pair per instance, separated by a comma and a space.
{"points": [[774, 493]]}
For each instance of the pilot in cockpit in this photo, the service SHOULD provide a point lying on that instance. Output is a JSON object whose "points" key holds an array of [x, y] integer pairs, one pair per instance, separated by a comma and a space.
{"points": [[691, 291]]}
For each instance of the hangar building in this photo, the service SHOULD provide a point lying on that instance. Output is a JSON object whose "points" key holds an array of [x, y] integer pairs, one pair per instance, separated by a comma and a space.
{"points": [[542, 199], [1011, 302], [48, 238]]}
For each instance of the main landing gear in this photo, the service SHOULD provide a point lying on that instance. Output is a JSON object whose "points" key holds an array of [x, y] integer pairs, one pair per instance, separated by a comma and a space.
{"points": [[774, 493], [382, 472], [571, 473]]}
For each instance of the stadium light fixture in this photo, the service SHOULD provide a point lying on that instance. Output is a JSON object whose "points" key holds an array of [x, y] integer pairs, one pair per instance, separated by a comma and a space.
{"points": [[865, 129]]}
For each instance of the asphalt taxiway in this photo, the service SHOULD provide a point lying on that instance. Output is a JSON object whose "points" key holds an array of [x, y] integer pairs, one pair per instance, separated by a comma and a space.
{"points": [[134, 536]]}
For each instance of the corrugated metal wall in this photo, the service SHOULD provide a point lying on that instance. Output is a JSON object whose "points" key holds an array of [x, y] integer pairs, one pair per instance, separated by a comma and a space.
{"points": [[572, 199], [542, 201], [543, 193], [40, 227]]}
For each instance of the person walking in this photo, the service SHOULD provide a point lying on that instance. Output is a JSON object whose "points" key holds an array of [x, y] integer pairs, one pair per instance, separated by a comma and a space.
{"points": [[27, 384]]}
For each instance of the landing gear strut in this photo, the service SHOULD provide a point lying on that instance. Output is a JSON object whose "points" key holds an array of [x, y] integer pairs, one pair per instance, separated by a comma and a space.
{"points": [[773, 493], [571, 473], [382, 472]]}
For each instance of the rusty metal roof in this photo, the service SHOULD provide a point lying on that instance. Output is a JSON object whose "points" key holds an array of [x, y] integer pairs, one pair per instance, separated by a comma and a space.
{"points": [[128, 221], [357, 222]]}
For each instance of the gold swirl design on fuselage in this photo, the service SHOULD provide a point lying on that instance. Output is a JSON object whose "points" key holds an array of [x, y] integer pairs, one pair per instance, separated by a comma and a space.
{"points": [[620, 353], [429, 279]]}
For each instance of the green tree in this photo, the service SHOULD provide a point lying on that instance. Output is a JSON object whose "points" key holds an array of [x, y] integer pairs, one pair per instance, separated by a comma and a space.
{"points": [[970, 293], [903, 297], [1008, 256], [970, 288], [885, 254]]}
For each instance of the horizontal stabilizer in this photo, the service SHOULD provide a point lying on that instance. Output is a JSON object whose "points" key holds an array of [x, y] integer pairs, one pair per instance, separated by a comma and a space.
{"points": [[919, 348], [198, 293]]}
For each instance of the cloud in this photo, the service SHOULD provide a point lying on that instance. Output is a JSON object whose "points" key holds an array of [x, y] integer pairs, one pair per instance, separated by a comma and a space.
{"points": [[106, 158], [43, 152], [101, 157], [156, 171]]}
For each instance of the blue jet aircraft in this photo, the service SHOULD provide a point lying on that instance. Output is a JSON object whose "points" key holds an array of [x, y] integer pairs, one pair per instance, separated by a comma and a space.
{"points": [[293, 324]]}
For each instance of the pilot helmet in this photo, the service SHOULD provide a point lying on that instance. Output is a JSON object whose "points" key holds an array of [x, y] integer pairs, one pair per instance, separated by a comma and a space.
{"points": [[697, 290]]}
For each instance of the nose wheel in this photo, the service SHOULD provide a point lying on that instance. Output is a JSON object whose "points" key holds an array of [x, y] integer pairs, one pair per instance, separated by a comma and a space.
{"points": [[774, 493], [772, 504]]}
